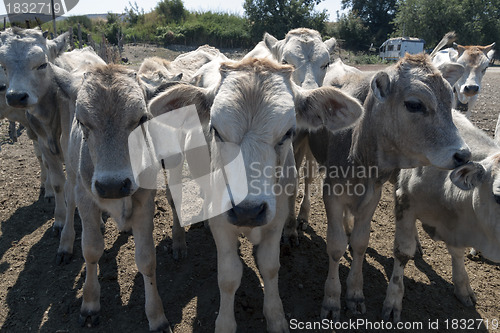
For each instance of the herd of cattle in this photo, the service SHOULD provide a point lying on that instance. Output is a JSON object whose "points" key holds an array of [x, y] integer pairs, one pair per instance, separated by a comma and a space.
{"points": [[284, 101]]}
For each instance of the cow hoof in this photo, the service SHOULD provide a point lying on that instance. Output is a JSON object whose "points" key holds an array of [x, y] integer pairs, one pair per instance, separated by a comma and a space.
{"points": [[291, 240], [356, 305], [63, 258], [468, 299], [303, 223], [56, 230], [165, 328], [280, 326], [179, 253], [330, 312], [41, 194], [388, 310], [89, 319], [121, 232]]}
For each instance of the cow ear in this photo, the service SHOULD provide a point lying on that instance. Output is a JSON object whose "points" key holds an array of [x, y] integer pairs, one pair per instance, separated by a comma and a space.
{"points": [[182, 95], [326, 106], [330, 45], [468, 176], [460, 49], [453, 53], [381, 86], [270, 41], [67, 82], [58, 45], [152, 90], [451, 72], [489, 51]]}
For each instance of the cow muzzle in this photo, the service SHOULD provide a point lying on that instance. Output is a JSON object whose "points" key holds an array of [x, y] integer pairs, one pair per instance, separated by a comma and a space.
{"points": [[17, 99], [461, 157], [248, 215], [113, 189], [471, 90]]}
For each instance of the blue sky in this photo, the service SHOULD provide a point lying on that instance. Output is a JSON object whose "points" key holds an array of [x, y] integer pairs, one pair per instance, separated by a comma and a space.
{"points": [[232, 6]]}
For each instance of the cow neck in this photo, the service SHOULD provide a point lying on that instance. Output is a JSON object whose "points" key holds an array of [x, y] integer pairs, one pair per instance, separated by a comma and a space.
{"points": [[367, 148]]}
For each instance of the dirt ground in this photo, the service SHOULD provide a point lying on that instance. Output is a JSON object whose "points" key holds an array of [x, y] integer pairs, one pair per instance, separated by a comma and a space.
{"points": [[37, 295]]}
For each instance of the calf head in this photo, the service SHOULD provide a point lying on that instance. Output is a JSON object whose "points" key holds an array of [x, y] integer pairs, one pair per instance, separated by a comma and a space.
{"points": [[475, 60], [256, 107], [155, 74], [484, 179], [409, 106], [25, 56], [110, 104], [306, 52]]}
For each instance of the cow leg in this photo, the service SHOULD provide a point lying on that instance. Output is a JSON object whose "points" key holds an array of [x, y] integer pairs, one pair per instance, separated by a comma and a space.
{"points": [[65, 251], [290, 232], [145, 258], [463, 290], [268, 253], [92, 248], [358, 241], [229, 272], [179, 247], [44, 179], [57, 179], [305, 205], [348, 222], [336, 246], [405, 244]]}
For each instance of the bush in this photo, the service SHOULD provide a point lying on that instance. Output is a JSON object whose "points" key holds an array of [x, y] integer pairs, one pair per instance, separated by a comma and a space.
{"points": [[217, 29]]}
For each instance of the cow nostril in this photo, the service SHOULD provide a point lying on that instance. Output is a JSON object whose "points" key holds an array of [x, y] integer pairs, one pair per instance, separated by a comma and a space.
{"points": [[99, 188], [3, 87], [262, 211], [126, 186], [17, 98], [461, 157], [471, 89]]}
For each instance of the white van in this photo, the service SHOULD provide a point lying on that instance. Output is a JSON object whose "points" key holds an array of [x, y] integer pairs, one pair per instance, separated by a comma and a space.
{"points": [[395, 48]]}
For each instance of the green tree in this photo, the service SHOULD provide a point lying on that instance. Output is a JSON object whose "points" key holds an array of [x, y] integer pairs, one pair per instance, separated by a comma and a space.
{"points": [[277, 17], [474, 21], [376, 15], [134, 14], [171, 10], [351, 32]]}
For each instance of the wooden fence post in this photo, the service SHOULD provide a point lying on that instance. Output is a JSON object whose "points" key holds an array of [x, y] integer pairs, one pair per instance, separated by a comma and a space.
{"points": [[80, 43], [103, 53], [91, 41], [71, 46]]}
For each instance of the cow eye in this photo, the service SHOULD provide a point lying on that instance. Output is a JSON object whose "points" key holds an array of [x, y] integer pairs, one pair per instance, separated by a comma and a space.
{"points": [[288, 135], [414, 107], [216, 134], [143, 119], [325, 66], [284, 62], [42, 66], [83, 128]]}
